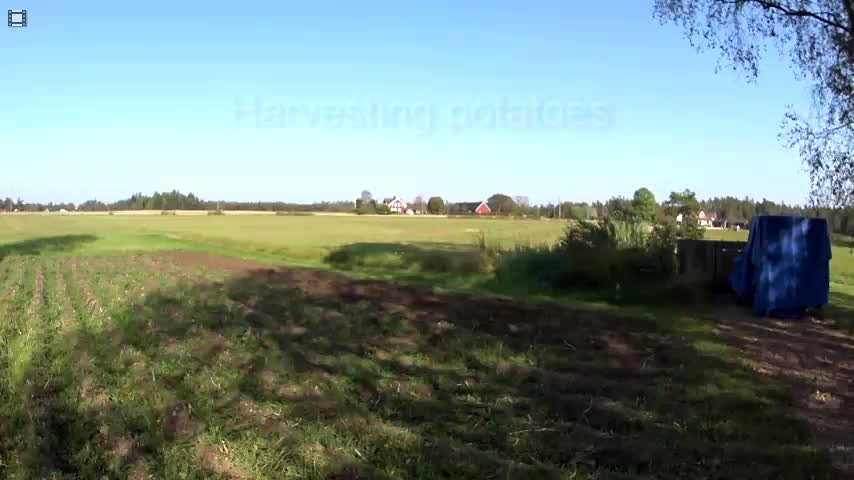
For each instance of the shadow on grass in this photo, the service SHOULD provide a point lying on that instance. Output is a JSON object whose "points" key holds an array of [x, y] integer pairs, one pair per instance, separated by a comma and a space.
{"points": [[530, 272], [308, 374], [842, 241], [840, 310], [45, 245], [422, 257]]}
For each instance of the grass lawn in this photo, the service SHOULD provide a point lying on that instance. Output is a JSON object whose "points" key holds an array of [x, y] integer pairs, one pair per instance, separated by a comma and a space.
{"points": [[301, 239], [436, 251], [121, 358]]}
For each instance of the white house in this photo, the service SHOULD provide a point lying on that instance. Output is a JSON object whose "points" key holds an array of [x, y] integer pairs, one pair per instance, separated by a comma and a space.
{"points": [[703, 219]]}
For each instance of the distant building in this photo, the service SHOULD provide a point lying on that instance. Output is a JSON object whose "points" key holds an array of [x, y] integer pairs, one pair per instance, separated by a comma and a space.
{"points": [[703, 219], [395, 205], [478, 208], [739, 225]]}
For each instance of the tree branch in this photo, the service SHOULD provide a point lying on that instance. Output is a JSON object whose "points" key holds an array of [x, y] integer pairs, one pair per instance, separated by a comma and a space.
{"points": [[821, 17]]}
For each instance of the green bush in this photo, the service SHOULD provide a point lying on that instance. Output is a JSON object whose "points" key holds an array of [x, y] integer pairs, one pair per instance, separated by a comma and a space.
{"points": [[602, 253], [168, 212], [397, 257], [538, 268], [366, 210], [452, 262], [382, 210]]}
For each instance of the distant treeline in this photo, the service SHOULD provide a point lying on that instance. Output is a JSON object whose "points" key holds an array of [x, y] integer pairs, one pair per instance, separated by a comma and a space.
{"points": [[729, 208], [743, 210], [176, 201], [732, 209]]}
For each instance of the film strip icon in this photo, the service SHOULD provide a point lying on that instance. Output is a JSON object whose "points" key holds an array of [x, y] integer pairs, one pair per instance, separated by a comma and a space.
{"points": [[17, 18]]}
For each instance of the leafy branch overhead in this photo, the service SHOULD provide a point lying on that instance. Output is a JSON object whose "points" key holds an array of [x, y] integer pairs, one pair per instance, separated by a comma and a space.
{"points": [[817, 37]]}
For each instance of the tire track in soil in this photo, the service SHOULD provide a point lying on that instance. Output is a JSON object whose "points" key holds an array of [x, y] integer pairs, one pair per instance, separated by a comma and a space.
{"points": [[161, 266], [47, 416], [4, 271], [177, 419], [67, 315], [119, 452], [34, 311], [13, 415], [93, 304], [11, 287], [51, 415]]}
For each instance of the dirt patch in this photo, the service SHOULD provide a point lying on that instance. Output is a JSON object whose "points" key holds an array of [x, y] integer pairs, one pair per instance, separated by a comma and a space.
{"points": [[177, 422], [528, 323], [38, 294], [67, 316], [352, 470], [201, 259], [815, 362], [216, 460], [93, 303]]}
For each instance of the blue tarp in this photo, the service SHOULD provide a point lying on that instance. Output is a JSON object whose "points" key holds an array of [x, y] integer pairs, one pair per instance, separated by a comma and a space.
{"points": [[785, 268]]}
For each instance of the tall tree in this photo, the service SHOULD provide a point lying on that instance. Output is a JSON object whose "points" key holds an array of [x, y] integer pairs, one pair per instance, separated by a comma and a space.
{"points": [[684, 203], [156, 201], [619, 208], [435, 205], [644, 205], [501, 203], [418, 205], [817, 36], [366, 200]]}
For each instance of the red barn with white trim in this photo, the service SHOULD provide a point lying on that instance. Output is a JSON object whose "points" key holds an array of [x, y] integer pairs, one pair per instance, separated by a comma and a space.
{"points": [[396, 205]]}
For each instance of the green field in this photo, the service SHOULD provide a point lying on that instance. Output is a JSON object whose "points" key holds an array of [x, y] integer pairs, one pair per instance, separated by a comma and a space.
{"points": [[286, 238], [394, 248], [163, 347], [428, 250]]}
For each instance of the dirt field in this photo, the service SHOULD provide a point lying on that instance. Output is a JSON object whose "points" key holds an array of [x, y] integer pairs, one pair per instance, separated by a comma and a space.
{"points": [[188, 365], [816, 363]]}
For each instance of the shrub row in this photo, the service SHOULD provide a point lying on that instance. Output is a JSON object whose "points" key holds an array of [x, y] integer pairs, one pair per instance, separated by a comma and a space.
{"points": [[593, 255]]}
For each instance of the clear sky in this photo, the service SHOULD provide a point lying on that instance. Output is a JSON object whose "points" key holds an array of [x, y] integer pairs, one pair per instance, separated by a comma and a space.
{"points": [[304, 101]]}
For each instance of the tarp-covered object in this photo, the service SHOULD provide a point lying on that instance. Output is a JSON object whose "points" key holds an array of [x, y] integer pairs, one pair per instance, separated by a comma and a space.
{"points": [[785, 268]]}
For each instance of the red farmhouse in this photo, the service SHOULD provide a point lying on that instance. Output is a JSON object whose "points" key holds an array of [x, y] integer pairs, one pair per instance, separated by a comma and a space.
{"points": [[481, 208]]}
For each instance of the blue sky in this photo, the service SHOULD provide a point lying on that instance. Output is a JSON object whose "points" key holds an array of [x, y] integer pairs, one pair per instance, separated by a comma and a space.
{"points": [[304, 101]]}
